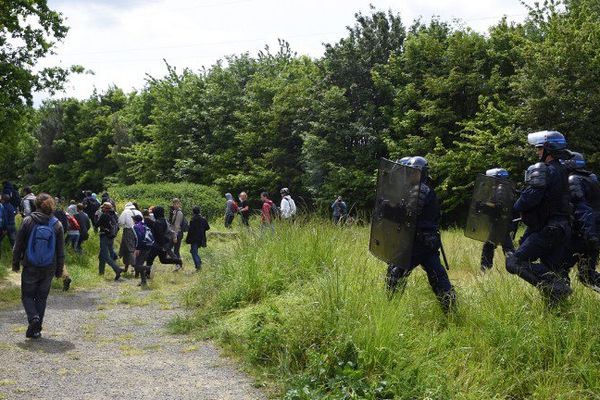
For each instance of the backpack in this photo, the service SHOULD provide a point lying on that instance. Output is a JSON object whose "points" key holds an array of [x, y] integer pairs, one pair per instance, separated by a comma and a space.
{"points": [[148, 237], [234, 207], [292, 204], [113, 226], [73, 224], [185, 225], [274, 211], [41, 246]]}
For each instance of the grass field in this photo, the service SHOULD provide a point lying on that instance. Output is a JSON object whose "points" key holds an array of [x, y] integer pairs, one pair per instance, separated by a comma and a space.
{"points": [[306, 310]]}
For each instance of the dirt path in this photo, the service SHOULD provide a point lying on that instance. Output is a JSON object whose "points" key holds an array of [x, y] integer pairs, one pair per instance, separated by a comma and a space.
{"points": [[95, 348]]}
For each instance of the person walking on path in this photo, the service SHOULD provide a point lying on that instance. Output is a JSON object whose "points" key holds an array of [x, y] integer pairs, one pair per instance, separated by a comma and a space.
{"points": [[39, 248], [163, 241], [108, 227], [127, 247], [8, 227], [72, 227], [231, 209], [179, 225], [244, 209], [28, 202], [84, 227], [144, 243], [267, 212], [90, 206], [196, 236]]}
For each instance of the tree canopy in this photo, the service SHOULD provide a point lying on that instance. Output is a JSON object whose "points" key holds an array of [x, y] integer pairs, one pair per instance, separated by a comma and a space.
{"points": [[461, 98]]}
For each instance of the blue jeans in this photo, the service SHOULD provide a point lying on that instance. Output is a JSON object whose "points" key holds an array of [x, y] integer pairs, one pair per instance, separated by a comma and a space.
{"points": [[106, 254], [72, 239], [195, 255]]}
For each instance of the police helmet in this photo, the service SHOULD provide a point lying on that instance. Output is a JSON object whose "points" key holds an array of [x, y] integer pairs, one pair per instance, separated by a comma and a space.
{"points": [[551, 141], [418, 162], [497, 172], [577, 161], [403, 160]]}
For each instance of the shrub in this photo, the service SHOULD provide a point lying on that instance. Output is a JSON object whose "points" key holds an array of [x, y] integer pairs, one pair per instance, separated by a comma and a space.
{"points": [[208, 198]]}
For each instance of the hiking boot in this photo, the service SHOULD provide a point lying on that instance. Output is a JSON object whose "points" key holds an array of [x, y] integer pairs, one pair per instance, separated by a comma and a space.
{"points": [[34, 328], [556, 291], [118, 274], [448, 301], [67, 283]]}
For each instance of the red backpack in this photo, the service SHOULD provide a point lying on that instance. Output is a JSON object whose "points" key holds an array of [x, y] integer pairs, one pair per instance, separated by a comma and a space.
{"points": [[73, 224], [234, 207]]}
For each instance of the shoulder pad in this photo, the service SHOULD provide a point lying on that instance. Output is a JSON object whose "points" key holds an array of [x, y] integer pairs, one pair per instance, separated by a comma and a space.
{"points": [[576, 187], [536, 175]]}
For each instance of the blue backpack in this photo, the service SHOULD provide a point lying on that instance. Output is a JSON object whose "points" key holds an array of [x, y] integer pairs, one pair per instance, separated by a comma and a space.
{"points": [[41, 246]]}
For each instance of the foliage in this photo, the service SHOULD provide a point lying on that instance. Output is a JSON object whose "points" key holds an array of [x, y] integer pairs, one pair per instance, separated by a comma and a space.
{"points": [[311, 313], [211, 202], [28, 32], [461, 98]]}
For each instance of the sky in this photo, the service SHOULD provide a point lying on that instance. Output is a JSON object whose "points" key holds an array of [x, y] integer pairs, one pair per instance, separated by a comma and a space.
{"points": [[123, 41]]}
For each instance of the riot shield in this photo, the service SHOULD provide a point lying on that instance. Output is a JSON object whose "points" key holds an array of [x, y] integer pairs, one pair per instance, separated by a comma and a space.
{"points": [[393, 224], [490, 213]]}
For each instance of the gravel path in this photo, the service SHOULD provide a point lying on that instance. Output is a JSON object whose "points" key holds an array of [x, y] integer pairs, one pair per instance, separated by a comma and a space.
{"points": [[92, 349]]}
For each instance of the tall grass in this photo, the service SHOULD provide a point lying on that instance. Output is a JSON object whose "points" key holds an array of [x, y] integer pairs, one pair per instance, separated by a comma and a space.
{"points": [[307, 307]]}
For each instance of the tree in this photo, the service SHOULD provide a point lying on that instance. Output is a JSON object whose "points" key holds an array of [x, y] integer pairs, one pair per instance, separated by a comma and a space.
{"points": [[29, 30]]}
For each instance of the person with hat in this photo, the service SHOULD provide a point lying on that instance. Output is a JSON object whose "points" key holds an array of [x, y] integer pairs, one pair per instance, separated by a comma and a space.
{"points": [[108, 227], [127, 247]]}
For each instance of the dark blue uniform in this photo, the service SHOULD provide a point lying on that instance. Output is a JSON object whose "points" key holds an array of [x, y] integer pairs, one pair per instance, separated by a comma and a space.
{"points": [[425, 251], [583, 248], [544, 208]]}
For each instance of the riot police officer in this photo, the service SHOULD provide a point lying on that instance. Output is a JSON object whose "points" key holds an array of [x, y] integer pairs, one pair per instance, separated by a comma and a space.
{"points": [[544, 208], [584, 190], [427, 243], [487, 253]]}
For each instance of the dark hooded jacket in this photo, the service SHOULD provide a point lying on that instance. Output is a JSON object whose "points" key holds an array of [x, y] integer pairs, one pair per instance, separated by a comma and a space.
{"points": [[160, 228], [197, 231], [22, 239]]}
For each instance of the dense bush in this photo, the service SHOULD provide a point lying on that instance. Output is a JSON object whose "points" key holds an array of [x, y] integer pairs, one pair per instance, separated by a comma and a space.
{"points": [[311, 312], [211, 202]]}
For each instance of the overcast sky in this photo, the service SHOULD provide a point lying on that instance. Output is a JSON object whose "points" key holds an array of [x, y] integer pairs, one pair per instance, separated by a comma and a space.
{"points": [[121, 41]]}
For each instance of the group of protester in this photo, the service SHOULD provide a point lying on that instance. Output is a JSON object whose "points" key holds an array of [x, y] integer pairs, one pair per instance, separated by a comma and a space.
{"points": [[269, 211], [47, 228]]}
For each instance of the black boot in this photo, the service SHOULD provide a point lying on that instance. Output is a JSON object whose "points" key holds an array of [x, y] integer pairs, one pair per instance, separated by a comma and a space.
{"points": [[396, 280], [447, 301], [34, 329]]}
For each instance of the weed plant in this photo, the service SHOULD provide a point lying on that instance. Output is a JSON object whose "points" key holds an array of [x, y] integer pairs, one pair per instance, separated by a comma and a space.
{"points": [[306, 308]]}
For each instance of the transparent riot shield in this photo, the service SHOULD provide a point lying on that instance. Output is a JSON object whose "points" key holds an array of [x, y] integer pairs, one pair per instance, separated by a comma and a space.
{"points": [[393, 223], [490, 213]]}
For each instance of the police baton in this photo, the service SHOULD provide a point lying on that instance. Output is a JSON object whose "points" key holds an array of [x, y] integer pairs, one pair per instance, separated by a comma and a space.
{"points": [[444, 254]]}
